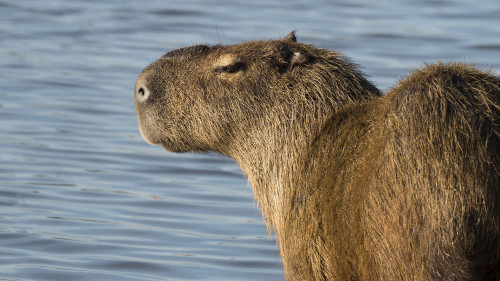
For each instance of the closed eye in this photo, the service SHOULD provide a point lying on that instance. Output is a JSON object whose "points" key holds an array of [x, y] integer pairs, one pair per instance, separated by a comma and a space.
{"points": [[232, 68]]}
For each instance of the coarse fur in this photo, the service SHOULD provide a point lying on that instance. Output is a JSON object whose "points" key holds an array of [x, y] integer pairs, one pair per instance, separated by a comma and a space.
{"points": [[356, 185]]}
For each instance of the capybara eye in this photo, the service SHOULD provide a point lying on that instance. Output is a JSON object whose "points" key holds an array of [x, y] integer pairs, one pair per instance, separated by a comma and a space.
{"points": [[232, 68]]}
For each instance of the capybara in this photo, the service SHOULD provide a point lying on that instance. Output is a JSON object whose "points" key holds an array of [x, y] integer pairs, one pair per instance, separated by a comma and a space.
{"points": [[356, 184]]}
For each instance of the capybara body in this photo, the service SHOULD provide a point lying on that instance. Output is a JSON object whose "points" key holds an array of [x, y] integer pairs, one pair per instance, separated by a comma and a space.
{"points": [[356, 185]]}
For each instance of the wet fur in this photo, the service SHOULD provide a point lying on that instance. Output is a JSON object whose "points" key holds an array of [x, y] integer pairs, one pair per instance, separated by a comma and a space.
{"points": [[355, 184]]}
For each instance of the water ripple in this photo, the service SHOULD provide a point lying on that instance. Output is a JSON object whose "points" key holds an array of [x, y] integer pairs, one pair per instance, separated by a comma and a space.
{"points": [[82, 197]]}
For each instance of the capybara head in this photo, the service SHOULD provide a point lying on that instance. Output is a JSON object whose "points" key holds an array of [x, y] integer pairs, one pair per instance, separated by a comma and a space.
{"points": [[202, 98]]}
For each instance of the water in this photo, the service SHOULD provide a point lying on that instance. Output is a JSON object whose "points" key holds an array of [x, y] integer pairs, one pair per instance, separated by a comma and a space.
{"points": [[83, 197]]}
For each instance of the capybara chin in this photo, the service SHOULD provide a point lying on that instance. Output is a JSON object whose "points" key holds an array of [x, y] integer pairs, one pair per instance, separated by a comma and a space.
{"points": [[356, 185]]}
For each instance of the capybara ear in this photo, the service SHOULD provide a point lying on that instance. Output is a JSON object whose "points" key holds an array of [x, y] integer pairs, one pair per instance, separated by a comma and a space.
{"points": [[290, 57], [291, 37], [298, 57]]}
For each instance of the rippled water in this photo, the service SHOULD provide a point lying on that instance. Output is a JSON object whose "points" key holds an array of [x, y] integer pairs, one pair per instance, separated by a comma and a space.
{"points": [[83, 197]]}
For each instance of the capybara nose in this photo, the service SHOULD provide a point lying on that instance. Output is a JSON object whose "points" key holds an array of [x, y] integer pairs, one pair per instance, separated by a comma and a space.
{"points": [[142, 92]]}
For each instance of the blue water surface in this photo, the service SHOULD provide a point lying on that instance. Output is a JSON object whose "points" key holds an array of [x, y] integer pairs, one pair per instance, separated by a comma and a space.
{"points": [[83, 197]]}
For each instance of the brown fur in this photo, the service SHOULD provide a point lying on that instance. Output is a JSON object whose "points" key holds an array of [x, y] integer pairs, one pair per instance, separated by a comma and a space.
{"points": [[356, 185]]}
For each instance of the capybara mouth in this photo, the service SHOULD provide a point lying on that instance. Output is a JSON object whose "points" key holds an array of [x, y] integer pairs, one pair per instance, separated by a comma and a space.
{"points": [[170, 146], [147, 135], [165, 146]]}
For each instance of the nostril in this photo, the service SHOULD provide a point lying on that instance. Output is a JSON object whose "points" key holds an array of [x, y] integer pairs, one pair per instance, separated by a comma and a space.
{"points": [[142, 93]]}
